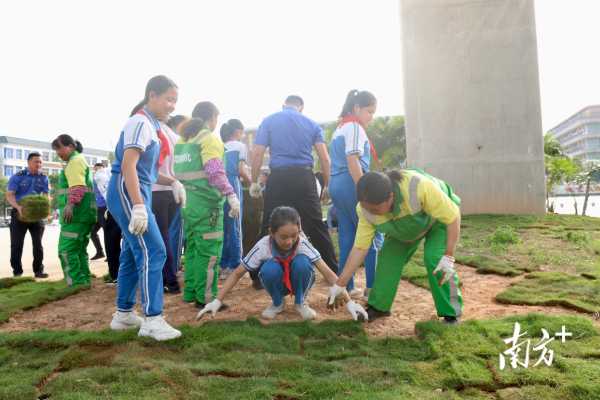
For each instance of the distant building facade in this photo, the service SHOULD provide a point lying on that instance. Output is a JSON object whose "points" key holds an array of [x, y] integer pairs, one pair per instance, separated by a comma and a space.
{"points": [[14, 152], [579, 135]]}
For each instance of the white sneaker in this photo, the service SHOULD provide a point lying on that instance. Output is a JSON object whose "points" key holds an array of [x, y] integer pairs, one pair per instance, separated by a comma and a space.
{"points": [[305, 311], [356, 293], [125, 320], [158, 329], [272, 311]]}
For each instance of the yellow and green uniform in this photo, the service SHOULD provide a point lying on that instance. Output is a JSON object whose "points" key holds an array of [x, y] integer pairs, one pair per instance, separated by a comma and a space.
{"points": [[423, 206], [202, 216], [75, 235]]}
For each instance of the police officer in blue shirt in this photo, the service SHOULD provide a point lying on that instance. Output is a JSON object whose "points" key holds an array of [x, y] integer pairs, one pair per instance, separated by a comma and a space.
{"points": [[291, 137], [28, 181]]}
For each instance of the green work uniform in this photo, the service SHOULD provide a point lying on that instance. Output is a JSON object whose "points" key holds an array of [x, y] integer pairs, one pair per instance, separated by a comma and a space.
{"points": [[416, 198], [203, 221], [75, 235]]}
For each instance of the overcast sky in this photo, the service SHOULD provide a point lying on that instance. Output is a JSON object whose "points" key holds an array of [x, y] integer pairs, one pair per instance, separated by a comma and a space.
{"points": [[79, 67]]}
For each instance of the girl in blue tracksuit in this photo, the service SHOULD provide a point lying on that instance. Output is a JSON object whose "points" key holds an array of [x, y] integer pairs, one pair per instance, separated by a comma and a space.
{"points": [[350, 151], [141, 149], [236, 159]]}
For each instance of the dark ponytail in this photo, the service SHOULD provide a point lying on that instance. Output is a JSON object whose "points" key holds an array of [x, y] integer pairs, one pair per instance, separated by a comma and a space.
{"points": [[375, 187], [66, 140], [158, 85], [283, 215], [229, 127], [191, 128], [357, 98]]}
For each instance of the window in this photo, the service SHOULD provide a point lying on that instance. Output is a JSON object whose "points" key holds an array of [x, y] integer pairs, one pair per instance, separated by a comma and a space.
{"points": [[26, 154], [18, 168], [8, 152], [93, 161], [46, 156], [19, 154], [8, 171]]}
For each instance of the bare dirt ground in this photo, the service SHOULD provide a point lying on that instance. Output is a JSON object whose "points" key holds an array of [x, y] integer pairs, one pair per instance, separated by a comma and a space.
{"points": [[92, 309]]}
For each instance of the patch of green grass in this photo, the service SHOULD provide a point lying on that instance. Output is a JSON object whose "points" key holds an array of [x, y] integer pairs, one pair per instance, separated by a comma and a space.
{"points": [[555, 289], [330, 360], [27, 294], [5, 283]]}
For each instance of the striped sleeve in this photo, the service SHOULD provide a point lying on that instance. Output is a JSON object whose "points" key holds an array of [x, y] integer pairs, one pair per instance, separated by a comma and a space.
{"points": [[354, 137], [308, 250], [138, 133], [256, 257]]}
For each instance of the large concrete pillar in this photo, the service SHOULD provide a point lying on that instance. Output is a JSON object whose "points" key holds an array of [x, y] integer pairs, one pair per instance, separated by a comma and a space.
{"points": [[472, 100]]}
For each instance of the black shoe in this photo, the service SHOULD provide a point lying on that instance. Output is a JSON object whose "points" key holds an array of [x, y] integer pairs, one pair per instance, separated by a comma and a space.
{"points": [[171, 290], [41, 275], [256, 284], [374, 313], [451, 321], [17, 274], [98, 256], [199, 305]]}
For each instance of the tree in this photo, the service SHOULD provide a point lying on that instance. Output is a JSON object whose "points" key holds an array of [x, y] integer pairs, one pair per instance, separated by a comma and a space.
{"points": [[3, 202], [559, 168], [588, 174], [53, 183]]}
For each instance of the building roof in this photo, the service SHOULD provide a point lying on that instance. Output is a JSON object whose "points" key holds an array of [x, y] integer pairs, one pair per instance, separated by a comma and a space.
{"points": [[46, 145], [573, 117]]}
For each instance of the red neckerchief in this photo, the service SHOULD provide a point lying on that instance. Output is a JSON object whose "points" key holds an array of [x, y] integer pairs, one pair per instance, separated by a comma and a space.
{"points": [[353, 118], [286, 264], [165, 149]]}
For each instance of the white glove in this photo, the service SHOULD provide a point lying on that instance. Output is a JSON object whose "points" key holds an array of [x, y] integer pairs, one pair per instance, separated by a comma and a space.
{"points": [[213, 307], [446, 266], [138, 224], [357, 311], [334, 292], [255, 190], [234, 205], [179, 193]]}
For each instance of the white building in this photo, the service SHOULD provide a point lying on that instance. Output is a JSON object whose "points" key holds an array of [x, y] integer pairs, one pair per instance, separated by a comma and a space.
{"points": [[579, 135], [14, 152]]}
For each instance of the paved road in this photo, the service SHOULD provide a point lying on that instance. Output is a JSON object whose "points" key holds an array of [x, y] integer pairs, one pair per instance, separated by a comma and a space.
{"points": [[51, 261]]}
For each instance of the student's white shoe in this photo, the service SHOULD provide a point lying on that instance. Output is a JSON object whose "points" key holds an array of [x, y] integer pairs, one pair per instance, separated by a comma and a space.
{"points": [[158, 329], [272, 311], [125, 320], [356, 293], [305, 311]]}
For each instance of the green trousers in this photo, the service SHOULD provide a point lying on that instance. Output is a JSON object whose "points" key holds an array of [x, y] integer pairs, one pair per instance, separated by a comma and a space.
{"points": [[72, 251], [203, 225], [393, 257]]}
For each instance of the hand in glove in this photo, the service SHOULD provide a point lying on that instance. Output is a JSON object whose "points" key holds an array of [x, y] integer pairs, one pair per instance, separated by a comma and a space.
{"points": [[357, 311], [334, 299], [255, 190], [234, 206], [446, 266], [179, 193], [138, 224], [213, 307], [67, 213]]}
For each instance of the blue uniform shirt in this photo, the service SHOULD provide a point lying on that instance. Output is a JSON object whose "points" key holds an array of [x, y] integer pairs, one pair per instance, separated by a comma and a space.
{"points": [[234, 153], [290, 137], [24, 183], [140, 133], [349, 139]]}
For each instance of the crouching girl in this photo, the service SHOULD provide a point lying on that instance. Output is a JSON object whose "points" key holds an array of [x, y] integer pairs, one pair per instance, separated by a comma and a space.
{"points": [[285, 261]]}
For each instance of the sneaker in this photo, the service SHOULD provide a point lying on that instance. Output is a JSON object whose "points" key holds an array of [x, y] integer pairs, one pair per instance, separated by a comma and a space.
{"points": [[111, 282], [125, 320], [199, 305], [158, 329], [272, 311], [374, 313], [356, 293], [451, 321], [17, 274], [305, 311], [171, 290], [98, 256], [41, 275]]}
